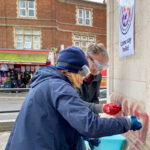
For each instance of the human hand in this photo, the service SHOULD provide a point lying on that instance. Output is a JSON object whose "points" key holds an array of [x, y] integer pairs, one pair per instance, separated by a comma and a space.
{"points": [[111, 109], [134, 123], [92, 141]]}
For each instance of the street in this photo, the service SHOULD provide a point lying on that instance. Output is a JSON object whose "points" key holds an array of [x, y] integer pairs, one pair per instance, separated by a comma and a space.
{"points": [[8, 102], [9, 105]]}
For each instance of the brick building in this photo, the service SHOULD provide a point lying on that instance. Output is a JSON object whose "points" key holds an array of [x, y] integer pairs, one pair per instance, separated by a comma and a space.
{"points": [[30, 29]]}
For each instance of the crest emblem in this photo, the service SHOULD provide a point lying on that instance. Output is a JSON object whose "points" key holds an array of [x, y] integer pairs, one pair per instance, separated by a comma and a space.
{"points": [[126, 15]]}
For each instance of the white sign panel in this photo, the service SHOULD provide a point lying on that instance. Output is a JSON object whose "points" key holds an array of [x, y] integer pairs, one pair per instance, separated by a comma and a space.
{"points": [[126, 28]]}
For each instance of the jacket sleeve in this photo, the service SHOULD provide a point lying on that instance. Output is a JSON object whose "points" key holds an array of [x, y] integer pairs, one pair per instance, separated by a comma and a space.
{"points": [[80, 117], [96, 108]]}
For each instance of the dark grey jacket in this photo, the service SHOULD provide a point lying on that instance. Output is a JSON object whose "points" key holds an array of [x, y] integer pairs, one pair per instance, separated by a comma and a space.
{"points": [[90, 93]]}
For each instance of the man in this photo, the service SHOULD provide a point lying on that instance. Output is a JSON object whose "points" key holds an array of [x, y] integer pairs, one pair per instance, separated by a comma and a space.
{"points": [[53, 116], [89, 91]]}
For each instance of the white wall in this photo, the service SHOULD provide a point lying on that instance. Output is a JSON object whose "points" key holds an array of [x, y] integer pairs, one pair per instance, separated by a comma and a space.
{"points": [[129, 77]]}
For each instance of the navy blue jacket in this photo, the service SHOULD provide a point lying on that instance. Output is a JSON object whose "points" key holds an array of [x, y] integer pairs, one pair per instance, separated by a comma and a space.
{"points": [[53, 116]]}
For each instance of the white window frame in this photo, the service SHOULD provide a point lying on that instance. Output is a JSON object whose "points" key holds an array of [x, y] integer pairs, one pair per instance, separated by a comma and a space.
{"points": [[23, 34], [81, 38], [84, 17], [27, 9], [87, 18], [81, 17], [31, 9], [22, 8]]}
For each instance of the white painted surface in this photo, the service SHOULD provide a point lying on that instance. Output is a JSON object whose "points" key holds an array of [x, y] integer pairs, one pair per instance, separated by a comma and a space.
{"points": [[130, 76]]}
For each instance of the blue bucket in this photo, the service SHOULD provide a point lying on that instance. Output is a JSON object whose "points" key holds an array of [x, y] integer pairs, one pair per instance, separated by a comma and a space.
{"points": [[115, 142]]}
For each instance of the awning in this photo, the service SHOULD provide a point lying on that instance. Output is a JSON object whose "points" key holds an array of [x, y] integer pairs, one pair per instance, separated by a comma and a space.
{"points": [[29, 57]]}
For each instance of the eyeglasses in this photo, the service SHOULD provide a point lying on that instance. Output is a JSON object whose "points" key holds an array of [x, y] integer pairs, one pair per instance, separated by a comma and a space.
{"points": [[84, 71], [97, 65]]}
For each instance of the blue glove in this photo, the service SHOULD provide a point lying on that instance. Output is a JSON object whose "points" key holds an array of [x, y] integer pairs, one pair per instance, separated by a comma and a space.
{"points": [[135, 123], [92, 142]]}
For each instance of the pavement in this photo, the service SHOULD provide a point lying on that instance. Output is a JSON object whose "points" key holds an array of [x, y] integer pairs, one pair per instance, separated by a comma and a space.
{"points": [[3, 139]]}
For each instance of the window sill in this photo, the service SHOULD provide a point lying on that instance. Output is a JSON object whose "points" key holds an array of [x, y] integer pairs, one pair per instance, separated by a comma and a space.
{"points": [[27, 17], [84, 25]]}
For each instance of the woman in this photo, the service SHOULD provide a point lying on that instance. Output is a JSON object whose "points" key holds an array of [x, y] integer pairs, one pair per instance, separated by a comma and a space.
{"points": [[53, 116]]}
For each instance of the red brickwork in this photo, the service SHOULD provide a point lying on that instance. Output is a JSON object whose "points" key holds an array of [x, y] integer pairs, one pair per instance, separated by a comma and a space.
{"points": [[55, 18]]}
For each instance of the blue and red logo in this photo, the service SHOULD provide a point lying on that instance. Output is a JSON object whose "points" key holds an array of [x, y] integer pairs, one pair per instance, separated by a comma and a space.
{"points": [[126, 15]]}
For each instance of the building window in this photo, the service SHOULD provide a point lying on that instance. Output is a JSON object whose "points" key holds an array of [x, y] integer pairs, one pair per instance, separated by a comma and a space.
{"points": [[84, 16], [27, 8], [27, 39], [83, 41]]}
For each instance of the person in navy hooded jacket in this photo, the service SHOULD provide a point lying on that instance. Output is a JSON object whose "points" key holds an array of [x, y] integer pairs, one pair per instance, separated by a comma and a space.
{"points": [[53, 117]]}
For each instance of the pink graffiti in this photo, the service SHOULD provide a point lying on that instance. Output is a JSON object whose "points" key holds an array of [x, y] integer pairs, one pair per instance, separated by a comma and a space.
{"points": [[133, 109]]}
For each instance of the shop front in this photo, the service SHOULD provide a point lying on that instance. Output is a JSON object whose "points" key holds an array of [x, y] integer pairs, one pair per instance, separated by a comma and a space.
{"points": [[18, 66]]}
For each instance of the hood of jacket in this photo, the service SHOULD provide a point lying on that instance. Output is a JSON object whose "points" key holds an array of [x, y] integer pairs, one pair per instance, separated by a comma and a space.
{"points": [[45, 73]]}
